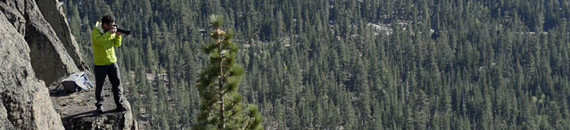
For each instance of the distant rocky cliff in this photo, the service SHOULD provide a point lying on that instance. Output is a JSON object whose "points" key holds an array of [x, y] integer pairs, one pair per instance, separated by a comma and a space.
{"points": [[36, 49]]}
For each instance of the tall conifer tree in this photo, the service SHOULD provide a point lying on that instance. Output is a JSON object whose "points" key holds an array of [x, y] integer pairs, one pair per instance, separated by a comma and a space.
{"points": [[218, 84]]}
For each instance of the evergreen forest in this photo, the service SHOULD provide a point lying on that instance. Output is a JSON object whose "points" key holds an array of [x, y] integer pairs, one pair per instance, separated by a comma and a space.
{"points": [[348, 64]]}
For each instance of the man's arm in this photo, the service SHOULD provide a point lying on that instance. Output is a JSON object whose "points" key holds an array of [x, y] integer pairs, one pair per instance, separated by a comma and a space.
{"points": [[118, 39], [99, 38]]}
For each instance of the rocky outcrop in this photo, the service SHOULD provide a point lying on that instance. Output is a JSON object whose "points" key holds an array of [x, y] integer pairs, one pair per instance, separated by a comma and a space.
{"points": [[52, 10], [78, 111], [36, 51], [106, 121], [49, 58], [25, 101]]}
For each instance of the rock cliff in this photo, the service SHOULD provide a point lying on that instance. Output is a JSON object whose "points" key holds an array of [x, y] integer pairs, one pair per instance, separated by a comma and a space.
{"points": [[49, 57], [25, 100], [53, 13], [37, 49]]}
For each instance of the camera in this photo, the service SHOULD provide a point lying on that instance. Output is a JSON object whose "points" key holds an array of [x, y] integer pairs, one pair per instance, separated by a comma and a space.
{"points": [[123, 31], [126, 32]]}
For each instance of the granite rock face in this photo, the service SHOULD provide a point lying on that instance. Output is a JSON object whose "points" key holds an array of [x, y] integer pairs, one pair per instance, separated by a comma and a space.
{"points": [[49, 57], [52, 10], [25, 100]]}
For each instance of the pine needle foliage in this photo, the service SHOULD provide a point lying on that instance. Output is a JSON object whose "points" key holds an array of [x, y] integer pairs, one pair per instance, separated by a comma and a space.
{"points": [[218, 85]]}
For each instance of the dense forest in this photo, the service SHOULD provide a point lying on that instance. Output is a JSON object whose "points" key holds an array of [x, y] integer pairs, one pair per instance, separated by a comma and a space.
{"points": [[350, 64]]}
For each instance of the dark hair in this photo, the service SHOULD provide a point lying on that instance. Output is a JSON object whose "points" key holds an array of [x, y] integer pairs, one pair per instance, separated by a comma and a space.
{"points": [[107, 19]]}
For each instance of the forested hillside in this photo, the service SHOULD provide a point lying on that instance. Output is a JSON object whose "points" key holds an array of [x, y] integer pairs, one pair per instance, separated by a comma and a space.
{"points": [[350, 64]]}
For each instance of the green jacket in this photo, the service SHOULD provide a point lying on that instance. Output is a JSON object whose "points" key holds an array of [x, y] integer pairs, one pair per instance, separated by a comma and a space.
{"points": [[104, 44]]}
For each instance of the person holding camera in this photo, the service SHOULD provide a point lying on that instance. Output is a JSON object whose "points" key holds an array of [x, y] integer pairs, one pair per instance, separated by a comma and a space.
{"points": [[106, 38]]}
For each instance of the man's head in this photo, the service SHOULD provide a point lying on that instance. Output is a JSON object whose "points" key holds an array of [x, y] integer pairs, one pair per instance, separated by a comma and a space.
{"points": [[108, 22]]}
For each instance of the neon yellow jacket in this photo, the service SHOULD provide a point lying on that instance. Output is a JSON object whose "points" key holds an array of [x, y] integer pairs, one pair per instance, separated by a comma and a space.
{"points": [[104, 44]]}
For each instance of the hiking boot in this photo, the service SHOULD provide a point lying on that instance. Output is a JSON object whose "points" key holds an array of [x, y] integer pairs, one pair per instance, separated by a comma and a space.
{"points": [[120, 109], [99, 109]]}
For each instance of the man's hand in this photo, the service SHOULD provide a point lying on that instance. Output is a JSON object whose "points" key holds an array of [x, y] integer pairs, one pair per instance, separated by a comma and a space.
{"points": [[113, 30]]}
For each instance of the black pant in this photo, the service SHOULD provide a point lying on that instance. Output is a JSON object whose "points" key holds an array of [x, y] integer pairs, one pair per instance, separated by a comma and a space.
{"points": [[101, 72]]}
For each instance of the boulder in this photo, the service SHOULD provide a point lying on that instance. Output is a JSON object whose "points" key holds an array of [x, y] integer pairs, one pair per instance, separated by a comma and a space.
{"points": [[25, 100]]}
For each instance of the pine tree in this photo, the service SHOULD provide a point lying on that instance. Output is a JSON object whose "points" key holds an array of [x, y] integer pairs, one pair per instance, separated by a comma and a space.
{"points": [[221, 106]]}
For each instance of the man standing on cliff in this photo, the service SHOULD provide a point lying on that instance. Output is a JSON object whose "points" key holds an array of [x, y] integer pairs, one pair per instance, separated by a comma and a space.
{"points": [[105, 38]]}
